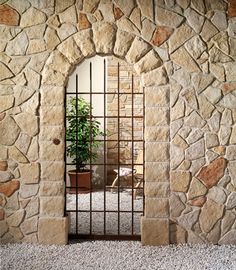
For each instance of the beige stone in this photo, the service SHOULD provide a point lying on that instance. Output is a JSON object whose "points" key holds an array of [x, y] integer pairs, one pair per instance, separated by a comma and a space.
{"points": [[16, 218], [227, 221], [168, 18], [58, 62], [66, 30], [32, 17], [208, 30], [161, 34], [52, 96], [156, 116], [202, 81], [146, 7], [156, 171], [6, 102], [3, 228], [228, 238], [210, 214], [217, 56], [52, 171], [182, 58], [154, 232], [17, 155], [53, 231], [156, 208], [187, 220], [68, 16], [178, 111], [177, 156], [125, 6], [29, 225], [149, 62], [230, 71], [180, 142], [48, 188], [195, 46], [27, 191], [36, 46], [218, 71], [70, 50], [16, 233], [179, 181], [5, 72], [176, 205], [157, 96], [123, 43], [194, 120], [126, 25], [135, 17], [138, 49], [148, 29], [52, 115], [52, 152], [90, 5], [85, 43], [160, 134], [106, 9], [18, 45], [49, 133], [157, 190], [103, 36], [206, 109], [62, 5], [28, 123], [157, 151], [51, 38], [52, 206], [228, 101], [196, 189], [30, 173], [196, 150], [32, 207], [194, 19], [157, 76], [179, 37], [52, 77]]}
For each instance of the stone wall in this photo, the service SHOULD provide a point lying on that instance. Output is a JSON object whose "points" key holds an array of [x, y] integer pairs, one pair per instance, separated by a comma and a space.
{"points": [[185, 53]]}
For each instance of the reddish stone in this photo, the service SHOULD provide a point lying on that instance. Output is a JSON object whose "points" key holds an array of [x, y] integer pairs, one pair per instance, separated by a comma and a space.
{"points": [[220, 150], [8, 15], [3, 165], [2, 200], [161, 34], [2, 214], [117, 12], [211, 174], [9, 188], [228, 87], [83, 22], [232, 8], [198, 201]]}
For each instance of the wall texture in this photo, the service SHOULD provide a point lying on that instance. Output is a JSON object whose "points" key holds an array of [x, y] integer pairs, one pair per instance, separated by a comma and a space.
{"points": [[185, 52]]}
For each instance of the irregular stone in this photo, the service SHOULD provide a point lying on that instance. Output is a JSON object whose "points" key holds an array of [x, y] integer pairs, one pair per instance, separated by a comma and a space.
{"points": [[83, 22], [52, 188], [27, 191], [117, 12], [211, 140], [18, 45], [5, 72], [175, 127], [206, 108], [230, 71], [228, 238], [198, 201], [9, 188], [149, 62], [219, 5], [210, 155], [194, 120], [177, 156], [157, 76], [16, 154], [33, 152], [195, 46], [208, 31], [162, 34], [36, 46], [137, 50], [196, 150], [187, 220], [217, 194], [29, 225], [179, 142], [214, 122], [148, 29], [69, 15], [218, 71], [51, 38], [179, 181], [126, 25], [6, 102], [232, 171], [196, 189], [182, 58], [103, 36], [31, 106], [9, 16], [84, 42], [226, 118], [228, 101], [231, 201], [217, 56], [32, 207], [178, 110], [224, 134], [175, 90], [214, 235], [32, 17], [125, 6], [197, 164], [202, 81], [211, 174], [52, 206], [194, 19], [198, 5], [3, 165], [30, 173], [123, 43], [66, 30], [9, 131], [106, 10], [167, 18], [190, 98], [210, 214], [58, 62], [231, 9], [135, 17], [221, 42], [227, 221], [70, 50], [28, 123], [179, 37], [146, 7], [62, 5], [16, 218], [3, 228]]}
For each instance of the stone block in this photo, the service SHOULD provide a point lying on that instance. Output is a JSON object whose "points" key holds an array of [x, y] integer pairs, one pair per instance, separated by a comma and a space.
{"points": [[48, 188], [52, 171], [156, 208], [156, 152], [157, 134], [157, 189], [156, 172], [156, 116], [85, 43], [52, 115], [157, 76], [52, 96], [29, 173], [154, 232], [53, 231], [123, 43], [157, 96], [52, 206], [179, 180], [52, 152], [137, 50]]}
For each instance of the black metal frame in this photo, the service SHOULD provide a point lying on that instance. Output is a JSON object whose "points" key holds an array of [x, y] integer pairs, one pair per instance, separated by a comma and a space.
{"points": [[106, 236]]}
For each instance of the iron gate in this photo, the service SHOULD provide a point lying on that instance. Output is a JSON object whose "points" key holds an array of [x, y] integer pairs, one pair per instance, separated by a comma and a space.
{"points": [[89, 209]]}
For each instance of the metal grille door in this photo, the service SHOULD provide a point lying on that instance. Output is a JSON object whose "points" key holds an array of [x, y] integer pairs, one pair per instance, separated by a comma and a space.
{"points": [[105, 153]]}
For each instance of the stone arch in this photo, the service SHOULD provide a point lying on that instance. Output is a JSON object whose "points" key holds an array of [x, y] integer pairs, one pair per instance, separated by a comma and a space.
{"points": [[106, 39]]}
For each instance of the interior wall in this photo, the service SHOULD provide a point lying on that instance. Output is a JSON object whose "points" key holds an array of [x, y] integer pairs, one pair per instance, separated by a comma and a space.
{"points": [[184, 51]]}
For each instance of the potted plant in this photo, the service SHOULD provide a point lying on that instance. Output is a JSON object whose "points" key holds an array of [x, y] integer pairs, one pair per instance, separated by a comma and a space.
{"points": [[82, 133]]}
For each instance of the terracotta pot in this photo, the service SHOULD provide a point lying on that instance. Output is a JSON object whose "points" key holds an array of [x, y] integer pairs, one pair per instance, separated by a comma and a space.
{"points": [[82, 179]]}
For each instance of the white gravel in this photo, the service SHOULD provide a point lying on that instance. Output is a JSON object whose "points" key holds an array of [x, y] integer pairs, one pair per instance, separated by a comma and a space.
{"points": [[117, 255]]}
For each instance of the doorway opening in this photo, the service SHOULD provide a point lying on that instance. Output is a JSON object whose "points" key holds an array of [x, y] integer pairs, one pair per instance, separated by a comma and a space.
{"points": [[104, 172]]}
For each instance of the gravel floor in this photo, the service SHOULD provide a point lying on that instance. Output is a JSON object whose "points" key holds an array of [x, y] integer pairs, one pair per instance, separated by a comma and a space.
{"points": [[117, 255]]}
